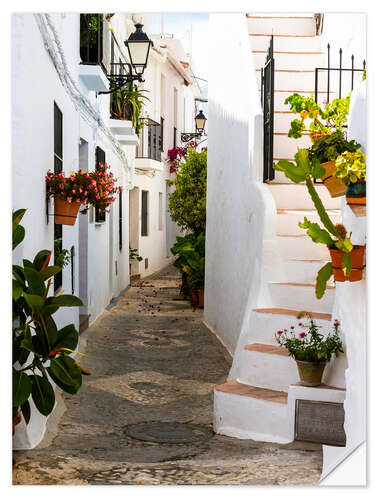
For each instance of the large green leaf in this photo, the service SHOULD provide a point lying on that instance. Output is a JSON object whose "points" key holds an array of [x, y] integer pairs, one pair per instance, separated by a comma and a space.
{"points": [[316, 233], [16, 289], [40, 259], [65, 374], [321, 280], [49, 271], [303, 162], [26, 412], [50, 329], [67, 337], [292, 171], [36, 302], [17, 216], [317, 170], [64, 301], [43, 394], [35, 281], [21, 388], [18, 273], [18, 236]]}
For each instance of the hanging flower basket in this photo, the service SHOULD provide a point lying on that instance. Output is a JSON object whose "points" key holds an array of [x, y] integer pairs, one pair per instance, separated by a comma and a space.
{"points": [[65, 212], [357, 256], [333, 184]]}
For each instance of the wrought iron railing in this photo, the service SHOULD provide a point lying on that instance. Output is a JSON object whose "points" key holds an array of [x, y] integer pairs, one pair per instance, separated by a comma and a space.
{"points": [[91, 38], [150, 141]]}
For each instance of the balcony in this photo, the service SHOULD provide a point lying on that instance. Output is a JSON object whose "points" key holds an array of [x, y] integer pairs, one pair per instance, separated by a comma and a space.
{"points": [[150, 146], [92, 70]]}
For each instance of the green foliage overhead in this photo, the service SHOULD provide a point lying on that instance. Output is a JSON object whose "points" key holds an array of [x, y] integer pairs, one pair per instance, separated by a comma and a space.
{"points": [[329, 147], [187, 204], [36, 340]]}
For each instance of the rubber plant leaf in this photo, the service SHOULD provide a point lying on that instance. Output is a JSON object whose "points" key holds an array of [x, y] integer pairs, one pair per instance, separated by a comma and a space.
{"points": [[22, 387], [65, 374], [43, 394]]}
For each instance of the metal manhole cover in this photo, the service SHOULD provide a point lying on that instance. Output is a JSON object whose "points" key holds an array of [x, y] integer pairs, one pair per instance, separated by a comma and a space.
{"points": [[169, 432]]}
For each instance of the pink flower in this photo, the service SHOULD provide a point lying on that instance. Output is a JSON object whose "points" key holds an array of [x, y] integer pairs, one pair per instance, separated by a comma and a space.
{"points": [[302, 335], [278, 333], [69, 199], [292, 327]]}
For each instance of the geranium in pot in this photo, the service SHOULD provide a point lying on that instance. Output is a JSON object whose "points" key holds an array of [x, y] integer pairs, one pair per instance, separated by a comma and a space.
{"points": [[347, 259], [310, 349], [326, 150], [351, 170], [80, 188], [41, 351]]}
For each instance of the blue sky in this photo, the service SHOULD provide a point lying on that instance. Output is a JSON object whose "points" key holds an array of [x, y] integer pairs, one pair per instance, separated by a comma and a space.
{"points": [[180, 25]]}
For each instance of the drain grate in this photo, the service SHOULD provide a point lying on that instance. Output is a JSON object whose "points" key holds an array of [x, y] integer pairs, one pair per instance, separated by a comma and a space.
{"points": [[169, 432]]}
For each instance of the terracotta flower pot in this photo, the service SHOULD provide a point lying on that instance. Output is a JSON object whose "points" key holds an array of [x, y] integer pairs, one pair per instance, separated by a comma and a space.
{"points": [[310, 373], [65, 212], [194, 299], [357, 256], [200, 294], [356, 194], [333, 184]]}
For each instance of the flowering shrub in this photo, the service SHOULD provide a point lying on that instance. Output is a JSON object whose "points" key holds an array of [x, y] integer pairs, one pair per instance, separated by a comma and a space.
{"points": [[351, 167], [177, 154], [309, 344], [87, 188]]}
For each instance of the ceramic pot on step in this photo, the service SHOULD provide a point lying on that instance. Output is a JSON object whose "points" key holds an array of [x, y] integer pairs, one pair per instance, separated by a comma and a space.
{"points": [[310, 373]]}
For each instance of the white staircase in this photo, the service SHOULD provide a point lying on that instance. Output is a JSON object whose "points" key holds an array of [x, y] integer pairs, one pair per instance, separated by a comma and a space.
{"points": [[260, 403]]}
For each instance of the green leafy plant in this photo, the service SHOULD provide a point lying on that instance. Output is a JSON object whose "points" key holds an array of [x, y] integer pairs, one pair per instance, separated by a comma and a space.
{"points": [[351, 167], [133, 254], [187, 204], [331, 235], [127, 103], [310, 346], [329, 147], [41, 351], [324, 121], [62, 257], [190, 252]]}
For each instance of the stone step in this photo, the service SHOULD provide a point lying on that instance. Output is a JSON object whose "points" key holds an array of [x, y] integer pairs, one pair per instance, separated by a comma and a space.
{"points": [[295, 80], [303, 271], [290, 60], [296, 197], [287, 220], [301, 296], [301, 248], [280, 25], [249, 412], [267, 366], [286, 42]]}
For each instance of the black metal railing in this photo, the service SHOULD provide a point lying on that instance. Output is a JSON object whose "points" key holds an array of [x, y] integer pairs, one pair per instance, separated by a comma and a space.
{"points": [[91, 38], [339, 80], [267, 97], [150, 141]]}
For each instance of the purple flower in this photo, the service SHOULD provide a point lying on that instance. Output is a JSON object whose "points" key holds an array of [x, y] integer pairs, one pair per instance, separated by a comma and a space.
{"points": [[292, 327], [302, 335], [279, 332]]}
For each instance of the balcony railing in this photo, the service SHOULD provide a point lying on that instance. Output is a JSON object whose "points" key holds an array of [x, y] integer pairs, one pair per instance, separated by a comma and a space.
{"points": [[150, 141], [91, 38]]}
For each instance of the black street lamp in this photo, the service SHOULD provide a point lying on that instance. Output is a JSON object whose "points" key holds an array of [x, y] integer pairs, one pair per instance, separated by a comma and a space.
{"points": [[200, 123], [138, 45]]}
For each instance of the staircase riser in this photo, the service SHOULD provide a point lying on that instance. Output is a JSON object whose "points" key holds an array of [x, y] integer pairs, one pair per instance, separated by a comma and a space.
{"points": [[286, 147], [287, 43], [284, 26], [249, 418], [296, 196], [264, 326], [291, 61], [301, 298], [301, 247], [282, 121], [301, 271], [292, 80], [287, 224], [268, 371], [292, 86]]}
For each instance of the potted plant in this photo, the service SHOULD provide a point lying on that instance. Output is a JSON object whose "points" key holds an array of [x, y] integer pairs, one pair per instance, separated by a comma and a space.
{"points": [[347, 259], [332, 118], [80, 188], [127, 104], [351, 170], [310, 349], [41, 351], [133, 255], [326, 150]]}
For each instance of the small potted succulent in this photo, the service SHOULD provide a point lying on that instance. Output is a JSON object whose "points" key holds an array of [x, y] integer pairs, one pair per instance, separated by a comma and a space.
{"points": [[326, 150], [351, 170], [310, 349], [80, 188]]}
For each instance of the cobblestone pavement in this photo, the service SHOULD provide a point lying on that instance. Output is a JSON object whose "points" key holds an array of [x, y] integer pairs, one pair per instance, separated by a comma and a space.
{"points": [[152, 359]]}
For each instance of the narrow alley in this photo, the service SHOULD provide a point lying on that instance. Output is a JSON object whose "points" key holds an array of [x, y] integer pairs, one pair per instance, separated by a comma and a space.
{"points": [[153, 362]]}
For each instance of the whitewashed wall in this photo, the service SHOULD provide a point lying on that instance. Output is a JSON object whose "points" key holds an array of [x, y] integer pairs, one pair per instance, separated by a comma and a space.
{"points": [[350, 309], [240, 211], [35, 88]]}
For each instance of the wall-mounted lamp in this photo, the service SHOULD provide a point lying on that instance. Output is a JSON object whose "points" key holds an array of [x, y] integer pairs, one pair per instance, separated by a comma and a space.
{"points": [[200, 123]]}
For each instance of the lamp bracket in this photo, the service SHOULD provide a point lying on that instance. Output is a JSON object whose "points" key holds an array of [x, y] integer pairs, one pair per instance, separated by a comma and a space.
{"points": [[189, 136]]}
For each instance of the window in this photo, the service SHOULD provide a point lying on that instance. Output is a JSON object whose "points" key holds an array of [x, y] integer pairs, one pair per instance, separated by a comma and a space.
{"points": [[161, 137], [120, 221], [58, 166], [175, 116], [174, 137], [160, 211], [144, 214], [99, 158]]}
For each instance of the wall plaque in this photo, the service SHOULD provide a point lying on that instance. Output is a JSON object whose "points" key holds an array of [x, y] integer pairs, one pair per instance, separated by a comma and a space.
{"points": [[320, 422]]}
